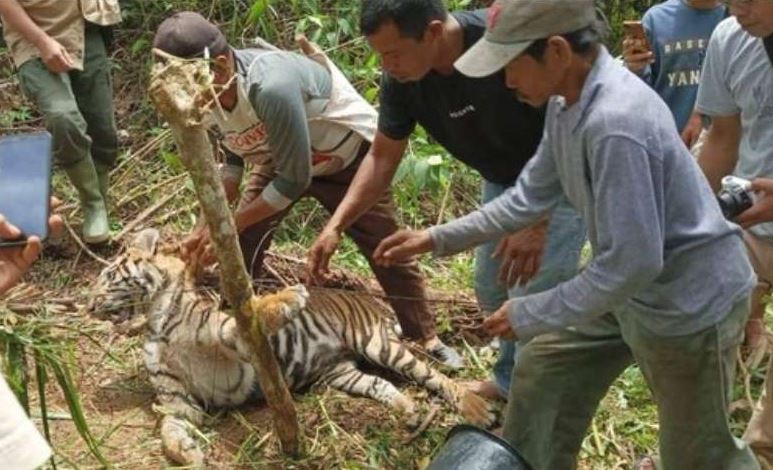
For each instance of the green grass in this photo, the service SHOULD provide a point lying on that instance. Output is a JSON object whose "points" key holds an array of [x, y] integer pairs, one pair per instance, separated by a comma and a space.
{"points": [[341, 432]]}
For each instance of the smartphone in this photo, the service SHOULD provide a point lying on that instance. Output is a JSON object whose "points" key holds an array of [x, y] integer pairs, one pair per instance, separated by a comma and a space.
{"points": [[635, 30], [25, 184]]}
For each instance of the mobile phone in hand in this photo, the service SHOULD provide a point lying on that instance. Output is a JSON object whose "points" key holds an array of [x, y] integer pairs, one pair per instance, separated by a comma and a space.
{"points": [[25, 184], [635, 30]]}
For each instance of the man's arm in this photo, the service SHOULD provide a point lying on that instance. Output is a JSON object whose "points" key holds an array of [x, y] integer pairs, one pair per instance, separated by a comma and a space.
{"points": [[372, 180], [720, 153], [692, 130], [536, 193], [628, 201], [53, 54], [231, 173], [716, 100], [276, 94]]}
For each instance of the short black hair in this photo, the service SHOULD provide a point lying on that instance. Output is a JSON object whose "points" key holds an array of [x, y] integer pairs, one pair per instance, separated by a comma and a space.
{"points": [[584, 42], [412, 17]]}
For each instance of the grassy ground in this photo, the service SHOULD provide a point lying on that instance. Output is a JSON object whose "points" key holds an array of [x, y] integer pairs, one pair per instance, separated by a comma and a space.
{"points": [[340, 431]]}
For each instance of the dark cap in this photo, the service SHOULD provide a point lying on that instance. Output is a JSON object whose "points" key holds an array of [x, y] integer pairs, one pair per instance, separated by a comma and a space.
{"points": [[186, 34]]}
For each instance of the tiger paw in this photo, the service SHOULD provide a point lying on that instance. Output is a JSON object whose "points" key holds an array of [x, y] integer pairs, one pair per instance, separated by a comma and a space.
{"points": [[477, 410], [276, 310], [294, 300]]}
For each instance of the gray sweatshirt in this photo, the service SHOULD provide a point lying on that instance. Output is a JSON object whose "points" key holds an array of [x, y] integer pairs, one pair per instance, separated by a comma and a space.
{"points": [[661, 246]]}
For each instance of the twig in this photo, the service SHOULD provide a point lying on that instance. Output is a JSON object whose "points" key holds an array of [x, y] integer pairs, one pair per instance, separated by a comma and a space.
{"points": [[424, 425], [82, 245], [597, 438], [146, 148], [145, 191], [445, 200], [747, 379], [145, 214], [276, 274], [174, 213]]}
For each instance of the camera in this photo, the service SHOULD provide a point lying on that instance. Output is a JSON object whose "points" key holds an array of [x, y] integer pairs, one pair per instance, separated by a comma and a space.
{"points": [[735, 196]]}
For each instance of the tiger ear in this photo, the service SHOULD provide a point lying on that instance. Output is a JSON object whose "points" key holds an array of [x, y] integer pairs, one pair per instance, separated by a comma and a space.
{"points": [[147, 241]]}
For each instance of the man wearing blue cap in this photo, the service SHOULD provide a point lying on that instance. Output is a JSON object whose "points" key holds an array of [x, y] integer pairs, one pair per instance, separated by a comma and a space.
{"points": [[651, 293]]}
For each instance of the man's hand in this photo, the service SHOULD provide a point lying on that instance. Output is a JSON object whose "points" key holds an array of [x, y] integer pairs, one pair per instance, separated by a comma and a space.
{"points": [[15, 261], [521, 255], [762, 210], [55, 56], [317, 266], [499, 325], [197, 248], [636, 56], [692, 130], [402, 246]]}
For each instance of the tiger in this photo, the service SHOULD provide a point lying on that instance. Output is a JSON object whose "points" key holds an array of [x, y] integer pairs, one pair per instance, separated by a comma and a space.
{"points": [[198, 361]]}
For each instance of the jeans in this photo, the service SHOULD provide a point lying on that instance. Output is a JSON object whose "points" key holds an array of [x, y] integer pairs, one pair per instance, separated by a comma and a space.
{"points": [[565, 239]]}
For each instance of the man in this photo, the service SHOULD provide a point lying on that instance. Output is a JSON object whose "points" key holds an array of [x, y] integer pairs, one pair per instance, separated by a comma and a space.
{"points": [[21, 445], [759, 433], [60, 52], [737, 92], [657, 234], [678, 31], [479, 122], [304, 129]]}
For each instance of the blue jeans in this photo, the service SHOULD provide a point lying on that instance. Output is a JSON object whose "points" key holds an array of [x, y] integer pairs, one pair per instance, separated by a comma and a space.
{"points": [[565, 238]]}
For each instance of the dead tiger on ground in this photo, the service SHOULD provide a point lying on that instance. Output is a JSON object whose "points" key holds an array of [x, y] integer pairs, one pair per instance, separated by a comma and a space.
{"points": [[197, 360]]}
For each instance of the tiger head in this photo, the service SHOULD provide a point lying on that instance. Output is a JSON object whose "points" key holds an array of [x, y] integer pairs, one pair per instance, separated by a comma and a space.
{"points": [[125, 288]]}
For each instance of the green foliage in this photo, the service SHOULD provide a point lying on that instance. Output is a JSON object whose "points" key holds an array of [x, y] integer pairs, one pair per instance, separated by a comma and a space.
{"points": [[13, 116], [39, 339], [617, 11]]}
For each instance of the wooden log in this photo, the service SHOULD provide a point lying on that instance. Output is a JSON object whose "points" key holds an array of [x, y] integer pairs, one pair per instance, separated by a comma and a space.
{"points": [[177, 104]]}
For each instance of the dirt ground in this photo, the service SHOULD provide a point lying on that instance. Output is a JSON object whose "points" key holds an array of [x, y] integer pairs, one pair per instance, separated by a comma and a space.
{"points": [[340, 431]]}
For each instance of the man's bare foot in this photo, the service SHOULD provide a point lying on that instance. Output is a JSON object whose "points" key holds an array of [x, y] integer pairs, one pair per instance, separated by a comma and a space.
{"points": [[755, 342], [645, 463], [487, 389], [755, 333]]}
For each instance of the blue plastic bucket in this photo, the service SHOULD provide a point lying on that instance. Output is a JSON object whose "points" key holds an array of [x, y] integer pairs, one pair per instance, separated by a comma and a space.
{"points": [[471, 448]]}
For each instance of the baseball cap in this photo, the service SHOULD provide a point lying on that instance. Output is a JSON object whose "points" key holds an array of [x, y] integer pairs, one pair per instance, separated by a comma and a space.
{"points": [[186, 34], [513, 25]]}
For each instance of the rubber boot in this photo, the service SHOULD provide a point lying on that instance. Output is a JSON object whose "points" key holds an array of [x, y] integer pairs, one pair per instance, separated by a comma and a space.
{"points": [[103, 175], [96, 228]]}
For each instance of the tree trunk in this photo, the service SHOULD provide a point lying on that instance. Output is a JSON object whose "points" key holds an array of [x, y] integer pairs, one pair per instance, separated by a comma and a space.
{"points": [[196, 154]]}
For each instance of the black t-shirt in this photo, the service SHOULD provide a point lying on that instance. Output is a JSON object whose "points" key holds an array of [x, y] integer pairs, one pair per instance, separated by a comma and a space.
{"points": [[478, 120]]}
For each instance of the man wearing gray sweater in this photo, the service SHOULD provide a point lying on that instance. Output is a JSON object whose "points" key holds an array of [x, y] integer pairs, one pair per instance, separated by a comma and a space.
{"points": [[668, 286]]}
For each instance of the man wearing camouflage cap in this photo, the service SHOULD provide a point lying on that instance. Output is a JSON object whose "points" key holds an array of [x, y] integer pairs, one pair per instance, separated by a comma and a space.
{"points": [[651, 293]]}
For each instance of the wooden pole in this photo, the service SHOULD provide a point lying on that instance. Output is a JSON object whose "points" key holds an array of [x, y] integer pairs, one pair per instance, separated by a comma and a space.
{"points": [[174, 93]]}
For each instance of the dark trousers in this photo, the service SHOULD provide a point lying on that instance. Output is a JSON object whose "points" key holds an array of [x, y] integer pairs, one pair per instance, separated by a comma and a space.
{"points": [[78, 106], [403, 284]]}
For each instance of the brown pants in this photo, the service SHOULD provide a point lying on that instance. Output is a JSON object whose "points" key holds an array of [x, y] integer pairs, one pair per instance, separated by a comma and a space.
{"points": [[403, 285]]}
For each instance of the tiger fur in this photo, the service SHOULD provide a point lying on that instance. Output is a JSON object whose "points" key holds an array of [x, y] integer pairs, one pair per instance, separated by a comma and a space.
{"points": [[197, 359]]}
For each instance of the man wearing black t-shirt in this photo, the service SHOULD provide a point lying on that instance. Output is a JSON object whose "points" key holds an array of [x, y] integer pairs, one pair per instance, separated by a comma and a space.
{"points": [[481, 123]]}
